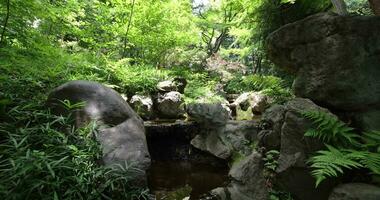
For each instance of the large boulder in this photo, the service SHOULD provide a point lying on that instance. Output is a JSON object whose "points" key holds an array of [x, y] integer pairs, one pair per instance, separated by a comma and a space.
{"points": [[121, 132], [284, 130], [170, 105], [143, 105], [355, 191], [209, 115], [223, 140], [335, 59], [248, 182]]}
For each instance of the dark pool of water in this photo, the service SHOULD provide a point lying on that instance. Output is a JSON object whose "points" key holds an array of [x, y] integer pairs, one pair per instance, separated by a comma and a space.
{"points": [[172, 180]]}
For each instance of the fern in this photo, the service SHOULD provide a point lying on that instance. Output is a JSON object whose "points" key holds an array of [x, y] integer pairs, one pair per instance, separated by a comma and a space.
{"points": [[328, 128], [331, 162], [350, 150]]}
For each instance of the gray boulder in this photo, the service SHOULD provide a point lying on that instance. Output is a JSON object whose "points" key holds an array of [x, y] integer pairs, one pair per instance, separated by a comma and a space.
{"points": [[223, 140], [121, 131], [335, 59], [143, 105], [209, 115], [284, 131], [170, 105], [177, 84], [355, 191], [248, 182], [166, 86]]}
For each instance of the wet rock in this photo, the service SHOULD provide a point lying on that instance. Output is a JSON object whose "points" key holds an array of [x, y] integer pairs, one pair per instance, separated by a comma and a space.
{"points": [[170, 105], [335, 59], [355, 191], [143, 105], [121, 131], [248, 182]]}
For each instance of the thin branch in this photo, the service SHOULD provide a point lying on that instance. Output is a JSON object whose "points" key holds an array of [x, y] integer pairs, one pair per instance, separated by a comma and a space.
{"points": [[5, 22]]}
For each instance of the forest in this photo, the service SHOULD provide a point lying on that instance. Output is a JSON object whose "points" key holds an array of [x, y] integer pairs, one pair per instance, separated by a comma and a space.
{"points": [[190, 99]]}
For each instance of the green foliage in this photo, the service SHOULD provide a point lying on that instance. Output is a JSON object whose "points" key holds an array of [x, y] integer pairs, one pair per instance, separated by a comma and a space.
{"points": [[346, 149], [43, 156], [270, 85], [328, 128], [270, 160]]}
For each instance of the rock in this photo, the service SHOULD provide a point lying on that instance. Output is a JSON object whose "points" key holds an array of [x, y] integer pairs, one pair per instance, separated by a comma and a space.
{"points": [[248, 182], [355, 191], [170, 105], [284, 130], [223, 140], [143, 105], [166, 86], [121, 133], [209, 115], [250, 103], [180, 84], [273, 118], [177, 84], [335, 59]]}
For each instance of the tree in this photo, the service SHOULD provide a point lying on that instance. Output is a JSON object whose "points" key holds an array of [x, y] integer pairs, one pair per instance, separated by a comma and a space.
{"points": [[375, 5], [5, 22], [340, 6]]}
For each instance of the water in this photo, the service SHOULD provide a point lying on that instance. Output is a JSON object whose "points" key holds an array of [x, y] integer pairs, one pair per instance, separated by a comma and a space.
{"points": [[175, 180]]}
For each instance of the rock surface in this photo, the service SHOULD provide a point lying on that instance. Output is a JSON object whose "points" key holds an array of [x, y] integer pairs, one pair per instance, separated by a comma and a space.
{"points": [[170, 105], [256, 101], [284, 131], [355, 191], [177, 84], [223, 140], [335, 59], [209, 115], [143, 105], [121, 133], [248, 182]]}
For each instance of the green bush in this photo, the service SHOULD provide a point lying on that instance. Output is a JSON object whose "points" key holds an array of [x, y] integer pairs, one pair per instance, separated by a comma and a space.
{"points": [[270, 85], [44, 157]]}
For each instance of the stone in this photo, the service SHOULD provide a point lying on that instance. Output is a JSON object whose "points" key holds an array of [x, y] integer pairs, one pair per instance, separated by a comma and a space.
{"points": [[170, 105], [143, 106], [180, 84], [248, 182], [121, 132], [284, 129], [355, 191], [209, 114], [248, 104], [222, 141], [166, 86], [335, 59], [177, 84]]}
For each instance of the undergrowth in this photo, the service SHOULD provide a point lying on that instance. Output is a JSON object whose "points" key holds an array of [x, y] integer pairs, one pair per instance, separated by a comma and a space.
{"points": [[346, 149]]}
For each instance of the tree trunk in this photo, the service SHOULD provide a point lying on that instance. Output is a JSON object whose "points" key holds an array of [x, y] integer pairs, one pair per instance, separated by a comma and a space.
{"points": [[5, 23], [125, 39], [340, 7], [375, 6]]}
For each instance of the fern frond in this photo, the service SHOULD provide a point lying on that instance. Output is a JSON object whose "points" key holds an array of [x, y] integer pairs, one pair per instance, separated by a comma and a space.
{"points": [[331, 163], [368, 159], [372, 140], [328, 128]]}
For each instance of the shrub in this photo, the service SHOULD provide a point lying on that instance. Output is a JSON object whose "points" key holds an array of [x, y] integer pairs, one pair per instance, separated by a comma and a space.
{"points": [[346, 149], [44, 157]]}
